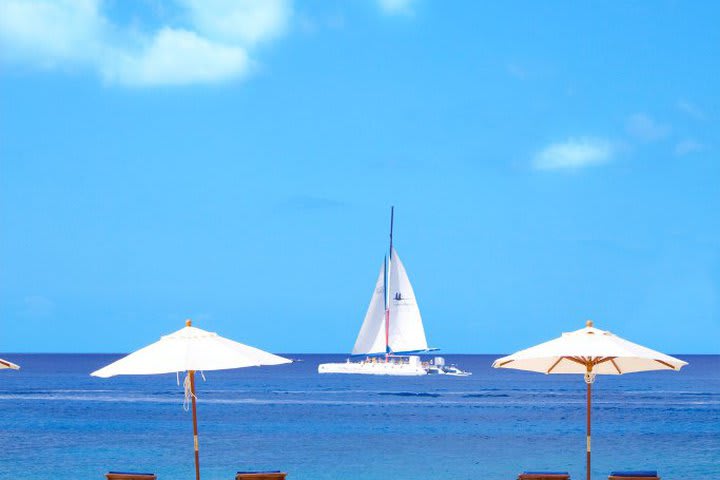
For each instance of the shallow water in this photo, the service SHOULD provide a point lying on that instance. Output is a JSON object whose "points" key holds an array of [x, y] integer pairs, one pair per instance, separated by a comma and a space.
{"points": [[58, 422]]}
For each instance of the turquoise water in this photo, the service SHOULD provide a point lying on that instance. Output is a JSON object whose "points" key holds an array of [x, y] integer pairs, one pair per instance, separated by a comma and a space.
{"points": [[58, 422]]}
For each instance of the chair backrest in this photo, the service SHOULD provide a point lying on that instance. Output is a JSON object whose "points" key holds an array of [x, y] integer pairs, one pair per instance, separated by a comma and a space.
{"points": [[544, 476], [278, 475], [634, 475], [130, 476]]}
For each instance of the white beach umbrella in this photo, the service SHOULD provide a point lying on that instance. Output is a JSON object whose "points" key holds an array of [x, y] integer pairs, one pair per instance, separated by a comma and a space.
{"points": [[589, 352], [190, 349], [5, 364]]}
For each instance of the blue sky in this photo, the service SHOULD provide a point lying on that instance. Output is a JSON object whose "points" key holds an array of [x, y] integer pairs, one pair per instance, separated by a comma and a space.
{"points": [[235, 162]]}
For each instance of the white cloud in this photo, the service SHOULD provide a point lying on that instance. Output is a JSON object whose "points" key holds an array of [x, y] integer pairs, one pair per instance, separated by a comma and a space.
{"points": [[246, 22], [394, 7], [645, 128], [214, 46], [177, 57], [48, 33], [573, 154], [688, 146]]}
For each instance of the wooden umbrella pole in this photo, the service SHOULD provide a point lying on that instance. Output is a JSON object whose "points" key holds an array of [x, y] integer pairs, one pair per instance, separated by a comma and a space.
{"points": [[191, 374], [589, 396]]}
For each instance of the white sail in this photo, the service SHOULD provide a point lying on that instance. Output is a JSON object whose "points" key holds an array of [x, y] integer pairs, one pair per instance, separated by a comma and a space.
{"points": [[371, 339], [406, 328]]}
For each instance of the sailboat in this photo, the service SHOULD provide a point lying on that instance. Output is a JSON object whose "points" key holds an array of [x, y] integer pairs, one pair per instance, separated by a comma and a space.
{"points": [[392, 333]]}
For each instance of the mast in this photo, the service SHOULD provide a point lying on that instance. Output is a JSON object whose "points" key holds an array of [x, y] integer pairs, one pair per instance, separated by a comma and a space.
{"points": [[387, 287], [392, 218]]}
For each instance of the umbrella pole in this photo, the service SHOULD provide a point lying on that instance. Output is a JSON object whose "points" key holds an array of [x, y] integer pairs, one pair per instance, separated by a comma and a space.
{"points": [[587, 453], [191, 374]]}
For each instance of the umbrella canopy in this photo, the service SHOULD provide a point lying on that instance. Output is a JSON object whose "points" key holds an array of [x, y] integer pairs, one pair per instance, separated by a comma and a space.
{"points": [[5, 364], [603, 352], [188, 350], [589, 351]]}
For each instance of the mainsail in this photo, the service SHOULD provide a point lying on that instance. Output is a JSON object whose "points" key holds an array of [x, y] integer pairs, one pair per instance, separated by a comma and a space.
{"points": [[406, 332]]}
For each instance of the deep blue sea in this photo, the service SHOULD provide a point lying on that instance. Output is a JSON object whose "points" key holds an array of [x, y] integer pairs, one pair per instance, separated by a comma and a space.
{"points": [[57, 422]]}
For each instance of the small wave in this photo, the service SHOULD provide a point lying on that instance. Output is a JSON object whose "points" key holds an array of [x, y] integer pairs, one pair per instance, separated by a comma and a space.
{"points": [[485, 395], [666, 392], [411, 394], [42, 391], [90, 398]]}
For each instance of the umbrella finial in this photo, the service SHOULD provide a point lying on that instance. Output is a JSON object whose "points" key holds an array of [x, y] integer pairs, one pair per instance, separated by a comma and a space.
{"points": [[188, 323], [588, 324]]}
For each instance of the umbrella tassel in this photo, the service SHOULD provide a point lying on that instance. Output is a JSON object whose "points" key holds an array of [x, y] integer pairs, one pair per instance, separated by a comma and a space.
{"points": [[189, 393]]}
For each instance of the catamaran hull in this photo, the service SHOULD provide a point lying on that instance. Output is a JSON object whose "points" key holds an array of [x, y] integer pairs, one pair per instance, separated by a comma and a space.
{"points": [[378, 368]]}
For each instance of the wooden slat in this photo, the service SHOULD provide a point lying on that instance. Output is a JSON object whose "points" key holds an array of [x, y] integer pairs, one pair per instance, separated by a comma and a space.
{"points": [[665, 363], [580, 360], [555, 364], [603, 360]]}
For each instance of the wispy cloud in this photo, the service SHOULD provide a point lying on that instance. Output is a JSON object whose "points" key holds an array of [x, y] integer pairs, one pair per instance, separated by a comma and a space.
{"points": [[37, 306], [645, 128], [575, 153], [314, 24], [690, 109], [212, 43], [516, 70], [395, 7], [688, 146]]}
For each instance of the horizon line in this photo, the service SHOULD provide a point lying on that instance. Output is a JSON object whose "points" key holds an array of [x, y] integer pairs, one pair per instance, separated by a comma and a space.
{"points": [[299, 353]]}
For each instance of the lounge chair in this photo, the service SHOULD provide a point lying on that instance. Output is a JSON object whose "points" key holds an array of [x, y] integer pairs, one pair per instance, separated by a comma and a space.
{"points": [[274, 475], [634, 475], [544, 476], [130, 476]]}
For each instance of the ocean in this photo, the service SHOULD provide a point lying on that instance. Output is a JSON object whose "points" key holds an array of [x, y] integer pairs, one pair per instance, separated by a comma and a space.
{"points": [[58, 423]]}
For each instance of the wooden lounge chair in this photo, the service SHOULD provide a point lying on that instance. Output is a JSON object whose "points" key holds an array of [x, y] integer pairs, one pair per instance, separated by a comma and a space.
{"points": [[544, 476], [130, 476], [634, 475], [276, 475]]}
